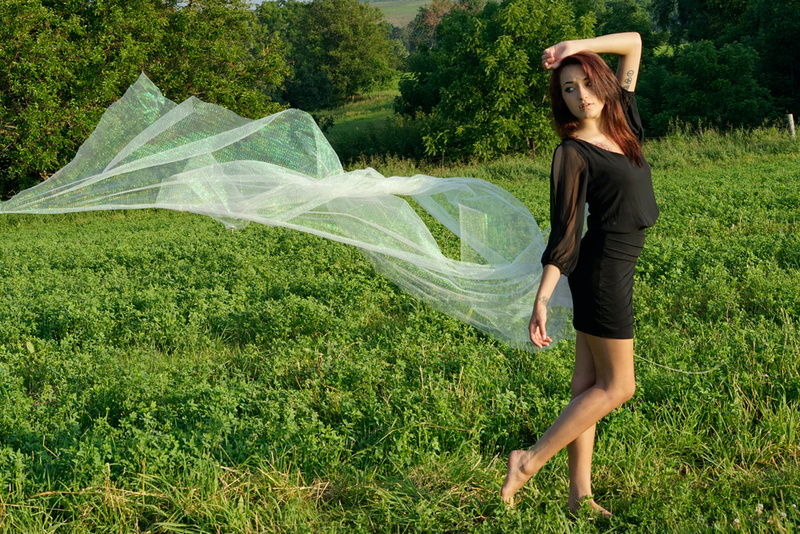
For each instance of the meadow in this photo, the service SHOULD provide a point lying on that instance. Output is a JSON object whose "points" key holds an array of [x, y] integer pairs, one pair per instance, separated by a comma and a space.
{"points": [[159, 373], [399, 12]]}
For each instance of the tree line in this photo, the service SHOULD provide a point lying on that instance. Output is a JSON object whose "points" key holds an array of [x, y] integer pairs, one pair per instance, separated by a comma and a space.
{"points": [[474, 76], [471, 83], [65, 61]]}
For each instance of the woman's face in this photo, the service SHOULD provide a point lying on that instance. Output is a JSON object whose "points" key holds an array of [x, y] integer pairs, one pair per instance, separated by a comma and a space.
{"points": [[576, 89]]}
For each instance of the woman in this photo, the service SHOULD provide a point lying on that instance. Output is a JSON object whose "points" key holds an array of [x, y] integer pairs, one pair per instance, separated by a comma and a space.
{"points": [[599, 162]]}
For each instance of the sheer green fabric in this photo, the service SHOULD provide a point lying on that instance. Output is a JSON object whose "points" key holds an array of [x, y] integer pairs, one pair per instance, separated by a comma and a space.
{"points": [[148, 152]]}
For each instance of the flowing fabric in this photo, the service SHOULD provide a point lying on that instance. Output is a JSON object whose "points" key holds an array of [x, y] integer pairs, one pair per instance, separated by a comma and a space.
{"points": [[148, 152]]}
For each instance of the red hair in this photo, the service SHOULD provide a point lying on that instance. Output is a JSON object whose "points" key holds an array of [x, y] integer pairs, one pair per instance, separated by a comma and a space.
{"points": [[606, 86]]}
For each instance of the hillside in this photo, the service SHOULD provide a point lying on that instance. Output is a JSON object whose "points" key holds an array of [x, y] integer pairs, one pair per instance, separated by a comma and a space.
{"points": [[399, 12]]}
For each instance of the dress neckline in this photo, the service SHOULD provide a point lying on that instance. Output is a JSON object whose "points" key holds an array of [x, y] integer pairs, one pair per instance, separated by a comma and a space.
{"points": [[597, 147]]}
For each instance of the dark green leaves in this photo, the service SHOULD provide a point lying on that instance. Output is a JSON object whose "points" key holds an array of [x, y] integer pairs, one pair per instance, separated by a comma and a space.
{"points": [[482, 83]]}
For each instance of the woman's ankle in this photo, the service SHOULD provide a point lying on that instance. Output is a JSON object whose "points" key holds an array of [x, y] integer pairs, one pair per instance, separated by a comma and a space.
{"points": [[587, 504]]}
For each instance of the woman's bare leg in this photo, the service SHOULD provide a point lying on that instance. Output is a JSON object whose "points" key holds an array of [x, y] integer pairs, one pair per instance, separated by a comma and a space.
{"points": [[580, 450], [615, 383]]}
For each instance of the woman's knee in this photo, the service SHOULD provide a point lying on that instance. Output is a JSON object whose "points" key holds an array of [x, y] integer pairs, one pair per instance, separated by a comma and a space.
{"points": [[614, 367], [624, 391]]}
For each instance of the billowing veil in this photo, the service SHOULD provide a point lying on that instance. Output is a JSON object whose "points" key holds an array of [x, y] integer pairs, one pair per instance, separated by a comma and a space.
{"points": [[148, 152]]}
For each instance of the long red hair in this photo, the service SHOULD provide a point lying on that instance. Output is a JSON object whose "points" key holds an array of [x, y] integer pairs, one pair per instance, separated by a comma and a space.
{"points": [[606, 86]]}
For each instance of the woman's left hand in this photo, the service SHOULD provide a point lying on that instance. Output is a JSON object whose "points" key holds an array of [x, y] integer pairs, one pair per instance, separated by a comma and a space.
{"points": [[536, 326]]}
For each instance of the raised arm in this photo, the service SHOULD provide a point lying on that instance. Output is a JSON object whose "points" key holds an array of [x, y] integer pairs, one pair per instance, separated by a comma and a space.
{"points": [[628, 46]]}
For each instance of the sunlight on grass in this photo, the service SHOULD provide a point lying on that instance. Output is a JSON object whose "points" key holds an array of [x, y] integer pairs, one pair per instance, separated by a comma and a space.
{"points": [[400, 12], [162, 374], [378, 104], [355, 122]]}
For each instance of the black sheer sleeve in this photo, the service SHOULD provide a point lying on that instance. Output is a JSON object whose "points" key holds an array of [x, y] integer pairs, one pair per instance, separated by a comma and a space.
{"points": [[631, 110], [567, 204]]}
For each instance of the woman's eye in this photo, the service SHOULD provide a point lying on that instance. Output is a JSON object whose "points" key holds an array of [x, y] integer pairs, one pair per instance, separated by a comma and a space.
{"points": [[569, 89]]}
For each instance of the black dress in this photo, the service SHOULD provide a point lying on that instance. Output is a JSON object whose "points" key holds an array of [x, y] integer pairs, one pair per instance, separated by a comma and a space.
{"points": [[621, 205]]}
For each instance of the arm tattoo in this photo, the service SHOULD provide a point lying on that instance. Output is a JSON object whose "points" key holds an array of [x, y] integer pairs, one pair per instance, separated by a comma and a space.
{"points": [[542, 300], [628, 79]]}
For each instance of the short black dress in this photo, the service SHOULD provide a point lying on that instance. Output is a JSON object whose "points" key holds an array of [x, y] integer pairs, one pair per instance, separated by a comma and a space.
{"points": [[622, 204]]}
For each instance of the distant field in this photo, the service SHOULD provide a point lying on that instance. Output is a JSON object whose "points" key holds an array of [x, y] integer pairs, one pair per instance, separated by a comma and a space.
{"points": [[397, 12], [400, 12]]}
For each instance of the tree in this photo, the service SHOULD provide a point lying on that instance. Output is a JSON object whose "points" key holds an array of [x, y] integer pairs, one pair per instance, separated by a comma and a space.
{"points": [[704, 84], [58, 77], [773, 26], [617, 16], [338, 48], [67, 61], [215, 50], [430, 67], [765, 27], [695, 20], [422, 29], [481, 85]]}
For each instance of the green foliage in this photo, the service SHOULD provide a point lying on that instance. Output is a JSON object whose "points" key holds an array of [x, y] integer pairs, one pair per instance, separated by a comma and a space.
{"points": [[773, 25], [728, 63], [339, 49], [422, 30], [768, 26], [159, 373], [698, 20], [615, 16], [368, 127], [705, 85], [393, 136], [482, 83], [216, 51], [66, 62], [351, 45]]}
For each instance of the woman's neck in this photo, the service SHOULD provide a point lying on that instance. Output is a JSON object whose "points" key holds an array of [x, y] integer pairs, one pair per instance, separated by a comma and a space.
{"points": [[589, 128]]}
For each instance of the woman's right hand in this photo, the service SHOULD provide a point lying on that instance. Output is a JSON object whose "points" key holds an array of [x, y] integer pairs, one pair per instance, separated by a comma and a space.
{"points": [[538, 332], [553, 55]]}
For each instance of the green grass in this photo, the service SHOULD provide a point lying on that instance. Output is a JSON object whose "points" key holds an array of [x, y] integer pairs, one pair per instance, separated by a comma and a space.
{"points": [[161, 374], [371, 111], [368, 129], [399, 12], [356, 124]]}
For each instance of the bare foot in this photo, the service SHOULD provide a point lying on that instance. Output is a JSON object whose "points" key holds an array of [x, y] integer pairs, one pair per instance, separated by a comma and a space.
{"points": [[516, 477], [595, 511]]}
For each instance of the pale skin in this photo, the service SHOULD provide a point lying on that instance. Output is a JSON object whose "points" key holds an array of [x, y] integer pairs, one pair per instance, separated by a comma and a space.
{"points": [[603, 378]]}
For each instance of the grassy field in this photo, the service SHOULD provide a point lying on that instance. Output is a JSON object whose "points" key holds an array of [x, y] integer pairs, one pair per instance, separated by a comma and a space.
{"points": [[356, 124], [399, 12], [353, 121], [159, 373], [368, 127]]}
